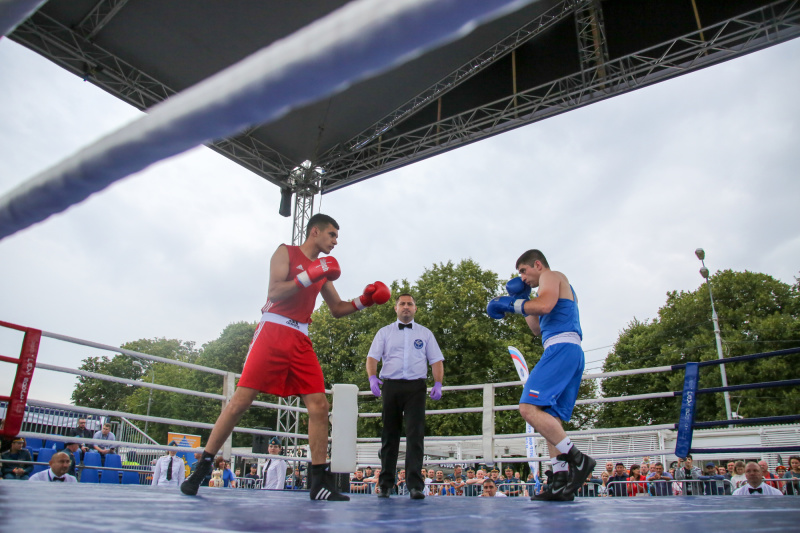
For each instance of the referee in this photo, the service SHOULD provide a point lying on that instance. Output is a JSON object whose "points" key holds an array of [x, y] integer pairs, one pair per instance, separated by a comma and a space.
{"points": [[406, 349]]}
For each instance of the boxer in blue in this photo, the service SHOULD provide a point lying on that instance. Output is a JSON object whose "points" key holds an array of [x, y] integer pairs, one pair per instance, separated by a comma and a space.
{"points": [[549, 395]]}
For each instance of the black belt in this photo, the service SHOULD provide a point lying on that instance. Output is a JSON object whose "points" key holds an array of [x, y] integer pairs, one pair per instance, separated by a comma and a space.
{"points": [[403, 380]]}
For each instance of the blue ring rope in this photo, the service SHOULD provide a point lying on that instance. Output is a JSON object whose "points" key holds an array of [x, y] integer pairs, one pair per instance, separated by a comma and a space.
{"points": [[739, 358], [738, 421]]}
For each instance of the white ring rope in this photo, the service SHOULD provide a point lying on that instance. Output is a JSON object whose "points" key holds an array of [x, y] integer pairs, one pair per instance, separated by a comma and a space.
{"points": [[14, 12], [139, 355], [157, 419], [353, 43]]}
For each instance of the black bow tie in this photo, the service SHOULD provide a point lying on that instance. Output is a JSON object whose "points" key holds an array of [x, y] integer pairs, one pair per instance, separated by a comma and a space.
{"points": [[57, 479], [758, 490], [403, 326]]}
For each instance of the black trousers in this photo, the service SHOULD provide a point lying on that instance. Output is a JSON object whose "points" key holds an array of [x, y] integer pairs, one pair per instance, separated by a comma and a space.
{"points": [[403, 399]]}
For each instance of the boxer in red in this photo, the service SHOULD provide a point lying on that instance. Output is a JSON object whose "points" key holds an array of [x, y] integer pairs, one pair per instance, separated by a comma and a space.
{"points": [[281, 360]]}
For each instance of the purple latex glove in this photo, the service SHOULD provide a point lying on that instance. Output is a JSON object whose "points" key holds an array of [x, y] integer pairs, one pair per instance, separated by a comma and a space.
{"points": [[374, 383], [436, 391]]}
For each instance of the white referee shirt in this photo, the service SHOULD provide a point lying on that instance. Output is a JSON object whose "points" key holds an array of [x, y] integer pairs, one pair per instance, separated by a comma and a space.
{"points": [[766, 490], [49, 475], [406, 353], [161, 468]]}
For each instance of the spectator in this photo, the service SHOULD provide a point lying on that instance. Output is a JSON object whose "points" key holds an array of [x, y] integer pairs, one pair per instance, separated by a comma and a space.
{"points": [[617, 483], [590, 488], [82, 433], [59, 465], [635, 489], [660, 482], [687, 470], [357, 484], [427, 478], [755, 485], [490, 489], [472, 483], [197, 457], [71, 448], [738, 478], [602, 490], [274, 472], [368, 472], [610, 469], [511, 487], [457, 486], [169, 470], [780, 473], [730, 469], [251, 477], [768, 476], [373, 481], [793, 475], [714, 483], [438, 484], [104, 449], [645, 471], [722, 471], [17, 453], [228, 479], [400, 484], [298, 482], [457, 472]]}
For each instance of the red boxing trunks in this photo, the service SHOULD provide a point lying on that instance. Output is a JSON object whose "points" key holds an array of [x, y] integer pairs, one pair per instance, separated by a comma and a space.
{"points": [[281, 361]]}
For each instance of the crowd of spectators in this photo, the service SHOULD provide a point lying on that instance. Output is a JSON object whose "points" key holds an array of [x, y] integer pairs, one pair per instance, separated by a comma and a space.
{"points": [[617, 480]]}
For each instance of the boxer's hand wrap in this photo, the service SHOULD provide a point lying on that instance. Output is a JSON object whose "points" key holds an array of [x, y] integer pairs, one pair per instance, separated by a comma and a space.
{"points": [[324, 267], [436, 391], [518, 289], [374, 385]]}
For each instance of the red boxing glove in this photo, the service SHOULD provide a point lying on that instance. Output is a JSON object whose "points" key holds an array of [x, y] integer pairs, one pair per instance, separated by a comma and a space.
{"points": [[381, 294], [365, 300], [374, 293], [324, 267]]}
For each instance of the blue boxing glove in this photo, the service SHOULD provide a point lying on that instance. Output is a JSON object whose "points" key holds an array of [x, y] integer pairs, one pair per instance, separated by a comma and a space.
{"points": [[498, 307], [518, 289]]}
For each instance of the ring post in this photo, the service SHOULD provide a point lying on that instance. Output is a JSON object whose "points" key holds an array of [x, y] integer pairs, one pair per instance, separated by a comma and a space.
{"points": [[26, 364], [344, 419], [688, 404]]}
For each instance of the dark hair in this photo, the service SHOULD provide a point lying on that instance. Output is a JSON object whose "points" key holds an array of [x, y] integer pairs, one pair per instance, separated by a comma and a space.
{"points": [[530, 257], [793, 457], [620, 464], [406, 294], [635, 467], [320, 221], [659, 464], [689, 456]]}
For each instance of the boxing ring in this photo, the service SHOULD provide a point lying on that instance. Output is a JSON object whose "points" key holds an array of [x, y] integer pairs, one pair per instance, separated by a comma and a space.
{"points": [[143, 508], [344, 48]]}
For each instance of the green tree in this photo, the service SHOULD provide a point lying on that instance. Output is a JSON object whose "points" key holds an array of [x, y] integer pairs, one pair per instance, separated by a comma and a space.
{"points": [[757, 313]]}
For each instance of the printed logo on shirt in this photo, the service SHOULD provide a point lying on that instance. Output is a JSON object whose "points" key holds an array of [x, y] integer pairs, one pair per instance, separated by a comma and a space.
{"points": [[300, 267], [533, 394], [418, 344], [293, 323]]}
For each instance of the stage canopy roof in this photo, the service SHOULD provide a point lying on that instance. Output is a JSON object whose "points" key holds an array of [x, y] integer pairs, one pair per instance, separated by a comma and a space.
{"points": [[548, 57]]}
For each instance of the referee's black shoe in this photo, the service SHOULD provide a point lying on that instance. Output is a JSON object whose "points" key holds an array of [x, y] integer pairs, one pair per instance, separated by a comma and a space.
{"points": [[383, 492], [580, 466], [193, 482], [555, 489], [323, 485]]}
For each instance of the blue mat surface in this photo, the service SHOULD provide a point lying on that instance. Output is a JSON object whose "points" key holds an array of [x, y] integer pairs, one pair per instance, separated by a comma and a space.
{"points": [[44, 507]]}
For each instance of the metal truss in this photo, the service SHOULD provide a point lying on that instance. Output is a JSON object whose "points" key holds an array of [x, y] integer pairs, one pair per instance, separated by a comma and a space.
{"points": [[476, 65], [760, 28], [592, 43], [78, 54], [100, 15]]}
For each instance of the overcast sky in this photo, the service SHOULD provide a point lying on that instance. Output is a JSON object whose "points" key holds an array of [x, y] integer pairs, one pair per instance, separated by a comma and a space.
{"points": [[618, 195]]}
